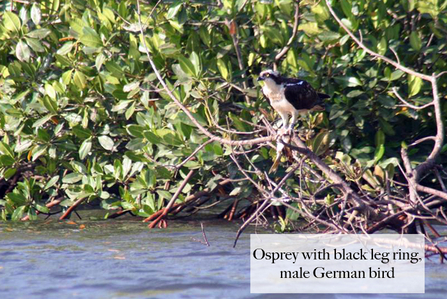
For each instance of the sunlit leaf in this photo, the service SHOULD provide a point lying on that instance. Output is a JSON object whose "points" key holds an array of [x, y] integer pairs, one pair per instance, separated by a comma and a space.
{"points": [[11, 21], [23, 52], [106, 142], [85, 149], [90, 38], [36, 14]]}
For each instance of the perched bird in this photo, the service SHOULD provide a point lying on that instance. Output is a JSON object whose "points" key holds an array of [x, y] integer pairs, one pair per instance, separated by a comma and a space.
{"points": [[290, 96]]}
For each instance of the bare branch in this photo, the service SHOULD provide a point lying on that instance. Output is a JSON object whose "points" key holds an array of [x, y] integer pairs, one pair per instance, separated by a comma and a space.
{"points": [[439, 140], [173, 199], [432, 191], [376, 55], [408, 104], [433, 138]]}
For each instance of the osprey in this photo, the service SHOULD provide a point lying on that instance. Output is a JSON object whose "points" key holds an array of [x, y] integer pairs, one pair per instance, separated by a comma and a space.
{"points": [[290, 96]]}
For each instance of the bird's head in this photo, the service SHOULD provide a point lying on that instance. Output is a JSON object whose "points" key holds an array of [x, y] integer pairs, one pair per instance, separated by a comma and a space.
{"points": [[269, 76]]}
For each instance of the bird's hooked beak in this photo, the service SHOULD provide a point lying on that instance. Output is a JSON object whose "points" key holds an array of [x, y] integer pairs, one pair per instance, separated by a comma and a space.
{"points": [[261, 78]]}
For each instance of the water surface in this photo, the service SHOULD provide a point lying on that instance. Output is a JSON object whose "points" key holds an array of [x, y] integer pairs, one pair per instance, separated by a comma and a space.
{"points": [[124, 259]]}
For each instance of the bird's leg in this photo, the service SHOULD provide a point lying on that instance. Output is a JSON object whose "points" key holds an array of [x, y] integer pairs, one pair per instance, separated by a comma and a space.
{"points": [[292, 123], [283, 130]]}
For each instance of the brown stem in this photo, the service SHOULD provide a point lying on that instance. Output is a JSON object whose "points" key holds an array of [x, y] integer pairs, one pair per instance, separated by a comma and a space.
{"points": [[48, 205], [173, 199], [70, 209]]}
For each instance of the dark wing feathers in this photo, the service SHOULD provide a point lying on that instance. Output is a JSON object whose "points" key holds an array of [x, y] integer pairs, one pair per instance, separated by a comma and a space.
{"points": [[301, 94]]}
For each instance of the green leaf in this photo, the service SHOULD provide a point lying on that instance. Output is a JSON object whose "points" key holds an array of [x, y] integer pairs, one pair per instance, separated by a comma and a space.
{"points": [[90, 38], [80, 80], [38, 151], [51, 182], [321, 143], [135, 130], [174, 9], [329, 36], [195, 60], [35, 44], [39, 33], [82, 133], [50, 104], [18, 213], [115, 69], [23, 145], [414, 85], [65, 49], [23, 52], [187, 66], [346, 7], [36, 14], [106, 142], [42, 209], [85, 148], [380, 138], [378, 154], [9, 173], [51, 92], [223, 69], [66, 77], [11, 21], [382, 46], [169, 137], [72, 178], [99, 61], [415, 41], [151, 137], [6, 149], [130, 111], [6, 161], [42, 121]]}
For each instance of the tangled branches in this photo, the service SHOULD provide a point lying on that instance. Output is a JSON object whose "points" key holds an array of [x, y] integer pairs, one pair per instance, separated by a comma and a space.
{"points": [[328, 200]]}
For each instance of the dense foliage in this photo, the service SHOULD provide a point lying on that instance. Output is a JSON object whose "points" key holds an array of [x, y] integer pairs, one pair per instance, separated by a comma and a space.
{"points": [[84, 118]]}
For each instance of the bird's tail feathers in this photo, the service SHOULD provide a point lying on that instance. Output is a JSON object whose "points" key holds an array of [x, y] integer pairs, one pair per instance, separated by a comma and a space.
{"points": [[319, 105]]}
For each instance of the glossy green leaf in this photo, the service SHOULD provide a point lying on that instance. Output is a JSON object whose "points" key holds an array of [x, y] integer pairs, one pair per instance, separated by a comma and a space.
{"points": [[106, 142], [85, 149]]}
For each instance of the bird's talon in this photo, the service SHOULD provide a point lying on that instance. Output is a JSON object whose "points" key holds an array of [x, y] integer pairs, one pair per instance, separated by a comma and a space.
{"points": [[282, 132]]}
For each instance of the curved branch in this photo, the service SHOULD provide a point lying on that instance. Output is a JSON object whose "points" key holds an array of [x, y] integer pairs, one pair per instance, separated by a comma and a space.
{"points": [[377, 55], [439, 138], [408, 104], [292, 37]]}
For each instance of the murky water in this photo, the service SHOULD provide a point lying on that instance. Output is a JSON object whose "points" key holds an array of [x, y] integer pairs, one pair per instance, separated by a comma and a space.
{"points": [[124, 259]]}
